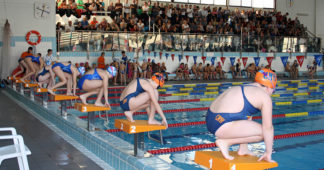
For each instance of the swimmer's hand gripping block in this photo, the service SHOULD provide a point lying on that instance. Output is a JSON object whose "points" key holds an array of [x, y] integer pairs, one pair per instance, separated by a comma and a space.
{"points": [[63, 97], [42, 90], [215, 160], [136, 127], [30, 85], [89, 107]]}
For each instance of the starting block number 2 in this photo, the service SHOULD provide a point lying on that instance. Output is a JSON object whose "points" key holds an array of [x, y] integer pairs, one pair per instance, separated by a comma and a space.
{"points": [[133, 128], [211, 165]]}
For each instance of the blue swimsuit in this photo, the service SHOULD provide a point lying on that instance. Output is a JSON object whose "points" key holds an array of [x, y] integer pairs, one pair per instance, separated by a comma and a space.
{"points": [[124, 104], [42, 73], [64, 68], [216, 120], [94, 76], [34, 59]]}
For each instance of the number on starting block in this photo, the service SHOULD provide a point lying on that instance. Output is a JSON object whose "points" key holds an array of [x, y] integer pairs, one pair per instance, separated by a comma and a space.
{"points": [[89, 107], [42, 90], [30, 85], [136, 127], [19, 81], [63, 97], [215, 160]]}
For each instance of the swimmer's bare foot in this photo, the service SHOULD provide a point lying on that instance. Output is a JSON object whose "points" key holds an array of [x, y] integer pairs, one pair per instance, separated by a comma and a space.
{"points": [[245, 151], [154, 122], [129, 116], [99, 104], [83, 99], [39, 85], [223, 146], [50, 91], [69, 94]]}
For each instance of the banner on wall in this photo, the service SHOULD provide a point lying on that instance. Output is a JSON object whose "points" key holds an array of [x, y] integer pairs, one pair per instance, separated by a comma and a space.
{"points": [[187, 58], [172, 57], [154, 54], [257, 61], [232, 59], [269, 59], [203, 59], [223, 59], [213, 60], [180, 57], [284, 60], [318, 59], [195, 59], [300, 60], [167, 55], [244, 60]]}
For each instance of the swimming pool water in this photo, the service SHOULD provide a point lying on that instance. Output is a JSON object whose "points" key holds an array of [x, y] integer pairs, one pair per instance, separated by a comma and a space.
{"points": [[294, 153]]}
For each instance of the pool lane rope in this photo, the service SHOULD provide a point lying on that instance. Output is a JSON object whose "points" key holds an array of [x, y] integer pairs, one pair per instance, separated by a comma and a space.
{"points": [[286, 115], [212, 145]]}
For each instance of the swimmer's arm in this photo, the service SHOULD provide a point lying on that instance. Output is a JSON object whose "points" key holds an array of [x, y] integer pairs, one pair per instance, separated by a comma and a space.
{"points": [[151, 92], [267, 127]]}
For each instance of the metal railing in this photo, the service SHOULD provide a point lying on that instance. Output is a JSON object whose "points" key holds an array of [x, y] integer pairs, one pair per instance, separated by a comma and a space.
{"points": [[90, 41]]}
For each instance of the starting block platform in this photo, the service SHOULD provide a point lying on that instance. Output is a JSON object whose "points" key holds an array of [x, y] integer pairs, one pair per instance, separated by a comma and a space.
{"points": [[63, 101], [138, 128], [91, 109], [215, 160], [44, 95], [31, 86]]}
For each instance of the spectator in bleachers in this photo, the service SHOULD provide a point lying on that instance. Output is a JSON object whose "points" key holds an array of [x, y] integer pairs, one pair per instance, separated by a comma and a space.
{"points": [[69, 26], [118, 8], [85, 23]]}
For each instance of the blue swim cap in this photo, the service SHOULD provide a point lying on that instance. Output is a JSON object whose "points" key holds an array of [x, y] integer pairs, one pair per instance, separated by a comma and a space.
{"points": [[81, 70], [112, 70]]}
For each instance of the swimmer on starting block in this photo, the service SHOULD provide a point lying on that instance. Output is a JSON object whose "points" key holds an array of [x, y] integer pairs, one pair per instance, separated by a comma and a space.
{"points": [[95, 81], [34, 65], [228, 114], [22, 63], [142, 94], [67, 74], [44, 76]]}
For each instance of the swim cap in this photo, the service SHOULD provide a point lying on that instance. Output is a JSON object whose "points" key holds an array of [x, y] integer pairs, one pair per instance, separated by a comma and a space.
{"points": [[81, 70], [158, 79], [112, 70], [267, 78], [48, 63]]}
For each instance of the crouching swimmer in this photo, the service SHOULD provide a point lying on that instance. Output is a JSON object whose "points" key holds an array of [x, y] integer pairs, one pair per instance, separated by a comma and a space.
{"points": [[142, 94], [95, 81], [227, 116]]}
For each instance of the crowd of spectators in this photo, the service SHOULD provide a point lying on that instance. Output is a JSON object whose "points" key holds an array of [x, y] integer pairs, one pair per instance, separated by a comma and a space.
{"points": [[178, 18]]}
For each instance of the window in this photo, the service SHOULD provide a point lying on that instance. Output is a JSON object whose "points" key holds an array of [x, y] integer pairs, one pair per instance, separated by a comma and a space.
{"points": [[247, 3], [207, 2], [257, 4], [268, 4], [220, 2], [235, 2], [253, 3], [185, 1], [194, 1]]}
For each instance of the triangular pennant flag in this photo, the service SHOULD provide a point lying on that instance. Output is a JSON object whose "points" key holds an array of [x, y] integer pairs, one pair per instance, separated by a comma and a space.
{"points": [[154, 54], [172, 56], [269, 59], [213, 60], [160, 55], [187, 57], [223, 59], [180, 57], [300, 59], [166, 55], [318, 59], [203, 59], [244, 60], [232, 59], [195, 59], [284, 60], [149, 52], [257, 61], [149, 59]]}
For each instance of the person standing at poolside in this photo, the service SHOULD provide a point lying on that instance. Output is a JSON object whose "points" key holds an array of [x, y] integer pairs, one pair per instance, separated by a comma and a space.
{"points": [[228, 117]]}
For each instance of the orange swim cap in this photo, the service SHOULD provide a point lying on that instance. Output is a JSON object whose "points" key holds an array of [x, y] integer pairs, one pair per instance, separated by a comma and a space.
{"points": [[267, 78], [158, 79]]}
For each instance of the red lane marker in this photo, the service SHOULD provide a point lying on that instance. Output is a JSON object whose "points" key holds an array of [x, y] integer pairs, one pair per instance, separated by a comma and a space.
{"points": [[210, 145]]}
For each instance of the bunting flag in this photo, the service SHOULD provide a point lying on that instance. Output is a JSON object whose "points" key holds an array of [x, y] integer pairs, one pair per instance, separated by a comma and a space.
{"points": [[284, 60], [232, 59], [149, 52], [269, 59], [213, 60], [149, 59], [244, 60], [257, 61], [195, 59], [166, 55], [300, 59], [172, 56], [160, 55], [318, 59], [187, 57], [142, 52], [154, 54], [223, 59], [203, 59], [180, 57]]}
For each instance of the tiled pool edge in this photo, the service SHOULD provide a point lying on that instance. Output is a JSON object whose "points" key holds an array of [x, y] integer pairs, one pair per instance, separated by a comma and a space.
{"points": [[107, 147]]}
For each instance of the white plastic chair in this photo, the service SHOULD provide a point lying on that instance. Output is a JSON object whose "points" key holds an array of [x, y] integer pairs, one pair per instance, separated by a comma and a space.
{"points": [[18, 149]]}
